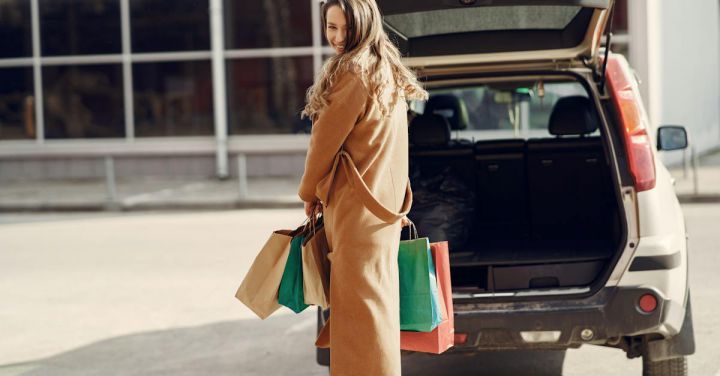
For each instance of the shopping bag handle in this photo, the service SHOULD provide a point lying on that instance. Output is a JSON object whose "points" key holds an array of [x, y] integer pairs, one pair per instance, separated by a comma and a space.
{"points": [[310, 223], [413, 230], [313, 220]]}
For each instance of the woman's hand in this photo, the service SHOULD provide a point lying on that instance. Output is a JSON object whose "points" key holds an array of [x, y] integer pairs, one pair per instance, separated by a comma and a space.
{"points": [[310, 205], [404, 221]]}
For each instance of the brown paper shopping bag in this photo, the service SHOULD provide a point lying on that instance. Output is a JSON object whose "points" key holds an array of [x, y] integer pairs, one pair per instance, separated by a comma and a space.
{"points": [[259, 289], [316, 266]]}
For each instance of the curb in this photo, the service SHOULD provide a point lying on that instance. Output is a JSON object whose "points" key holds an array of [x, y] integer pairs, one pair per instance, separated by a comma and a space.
{"points": [[699, 199], [226, 205], [158, 206]]}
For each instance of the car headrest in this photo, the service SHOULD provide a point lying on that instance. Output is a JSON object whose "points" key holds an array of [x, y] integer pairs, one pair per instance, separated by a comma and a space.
{"points": [[450, 107], [573, 115], [429, 130]]}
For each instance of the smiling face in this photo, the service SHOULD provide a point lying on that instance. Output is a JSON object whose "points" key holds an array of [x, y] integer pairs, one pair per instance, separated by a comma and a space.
{"points": [[336, 29]]}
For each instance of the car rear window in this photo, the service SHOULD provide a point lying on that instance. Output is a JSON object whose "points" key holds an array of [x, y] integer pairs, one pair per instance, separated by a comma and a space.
{"points": [[460, 20], [507, 110]]}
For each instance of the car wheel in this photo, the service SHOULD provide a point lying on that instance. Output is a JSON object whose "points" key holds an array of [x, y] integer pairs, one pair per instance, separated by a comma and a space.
{"points": [[667, 367], [682, 345]]}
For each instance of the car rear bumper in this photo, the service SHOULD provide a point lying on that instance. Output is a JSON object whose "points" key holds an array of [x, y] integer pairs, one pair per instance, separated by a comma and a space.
{"points": [[609, 314]]}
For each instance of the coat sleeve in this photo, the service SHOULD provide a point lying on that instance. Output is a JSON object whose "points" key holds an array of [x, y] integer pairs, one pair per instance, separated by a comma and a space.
{"points": [[346, 105]]}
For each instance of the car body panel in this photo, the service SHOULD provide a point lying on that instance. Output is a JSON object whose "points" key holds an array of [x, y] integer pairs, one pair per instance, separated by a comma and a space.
{"points": [[610, 313], [662, 233]]}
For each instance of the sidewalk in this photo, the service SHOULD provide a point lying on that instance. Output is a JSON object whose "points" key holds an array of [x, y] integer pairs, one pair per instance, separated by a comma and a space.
{"points": [[708, 185], [210, 194], [149, 194], [704, 188]]}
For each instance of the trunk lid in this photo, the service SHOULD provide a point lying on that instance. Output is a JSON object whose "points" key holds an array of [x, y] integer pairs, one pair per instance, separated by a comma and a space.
{"points": [[443, 33]]}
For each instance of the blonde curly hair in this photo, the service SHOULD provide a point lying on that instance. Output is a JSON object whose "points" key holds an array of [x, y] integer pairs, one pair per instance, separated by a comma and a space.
{"points": [[369, 53]]}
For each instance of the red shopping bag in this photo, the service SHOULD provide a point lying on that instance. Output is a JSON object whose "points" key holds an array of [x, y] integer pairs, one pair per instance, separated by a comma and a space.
{"points": [[442, 337]]}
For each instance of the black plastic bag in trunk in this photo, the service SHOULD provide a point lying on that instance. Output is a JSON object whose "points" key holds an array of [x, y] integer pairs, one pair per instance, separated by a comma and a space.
{"points": [[443, 205]]}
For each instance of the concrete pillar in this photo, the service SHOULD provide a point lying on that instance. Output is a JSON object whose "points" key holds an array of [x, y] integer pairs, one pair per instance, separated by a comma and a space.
{"points": [[644, 18]]}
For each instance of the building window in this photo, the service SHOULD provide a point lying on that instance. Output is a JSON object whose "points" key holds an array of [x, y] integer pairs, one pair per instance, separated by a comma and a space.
{"points": [[173, 98], [169, 25], [269, 53], [266, 95], [80, 27], [16, 104], [267, 23], [15, 28], [83, 101]]}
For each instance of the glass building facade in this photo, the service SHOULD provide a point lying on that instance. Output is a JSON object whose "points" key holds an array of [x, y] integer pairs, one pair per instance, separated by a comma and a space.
{"points": [[126, 69], [83, 69], [219, 78]]}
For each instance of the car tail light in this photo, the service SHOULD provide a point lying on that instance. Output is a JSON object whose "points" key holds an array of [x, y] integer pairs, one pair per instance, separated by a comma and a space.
{"points": [[647, 303], [633, 120], [460, 338]]}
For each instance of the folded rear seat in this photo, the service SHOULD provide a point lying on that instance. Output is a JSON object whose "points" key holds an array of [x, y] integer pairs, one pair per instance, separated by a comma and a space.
{"points": [[431, 143], [502, 211], [570, 192]]}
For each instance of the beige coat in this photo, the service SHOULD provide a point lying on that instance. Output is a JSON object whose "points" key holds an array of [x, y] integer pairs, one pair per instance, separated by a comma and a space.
{"points": [[364, 283]]}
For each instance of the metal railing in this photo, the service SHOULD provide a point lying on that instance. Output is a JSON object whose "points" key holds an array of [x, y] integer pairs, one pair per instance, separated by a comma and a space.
{"points": [[694, 164], [108, 172], [111, 184]]}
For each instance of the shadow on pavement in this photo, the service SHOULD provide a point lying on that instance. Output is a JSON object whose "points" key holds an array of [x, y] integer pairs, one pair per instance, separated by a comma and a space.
{"points": [[495, 363], [280, 345]]}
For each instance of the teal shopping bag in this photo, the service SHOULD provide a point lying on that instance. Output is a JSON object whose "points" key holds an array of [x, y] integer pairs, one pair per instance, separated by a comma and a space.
{"points": [[419, 299], [290, 293]]}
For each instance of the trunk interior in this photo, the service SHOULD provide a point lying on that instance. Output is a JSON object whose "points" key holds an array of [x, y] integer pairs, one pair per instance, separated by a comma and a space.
{"points": [[518, 213]]}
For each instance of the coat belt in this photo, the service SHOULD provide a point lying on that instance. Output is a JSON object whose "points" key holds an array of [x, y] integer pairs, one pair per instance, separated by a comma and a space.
{"points": [[324, 189]]}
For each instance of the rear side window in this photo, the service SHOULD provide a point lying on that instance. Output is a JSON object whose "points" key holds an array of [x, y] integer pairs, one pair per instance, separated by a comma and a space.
{"points": [[505, 110]]}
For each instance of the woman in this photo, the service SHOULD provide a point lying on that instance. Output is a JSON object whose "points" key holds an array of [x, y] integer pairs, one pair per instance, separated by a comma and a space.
{"points": [[358, 104]]}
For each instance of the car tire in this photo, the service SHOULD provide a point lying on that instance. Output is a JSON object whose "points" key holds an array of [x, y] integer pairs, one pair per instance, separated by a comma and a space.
{"points": [[682, 345], [667, 367]]}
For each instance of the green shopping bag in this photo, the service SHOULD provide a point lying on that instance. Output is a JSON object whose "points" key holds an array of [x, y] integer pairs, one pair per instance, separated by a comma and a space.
{"points": [[290, 293], [419, 299]]}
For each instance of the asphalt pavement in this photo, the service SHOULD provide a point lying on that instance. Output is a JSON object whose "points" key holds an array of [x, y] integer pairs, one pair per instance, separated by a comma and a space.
{"points": [[152, 293]]}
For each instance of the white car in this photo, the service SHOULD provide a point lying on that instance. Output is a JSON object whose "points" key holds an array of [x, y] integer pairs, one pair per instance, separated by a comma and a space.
{"points": [[534, 158]]}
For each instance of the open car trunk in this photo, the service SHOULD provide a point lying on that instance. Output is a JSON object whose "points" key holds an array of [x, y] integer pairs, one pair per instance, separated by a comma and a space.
{"points": [[536, 212], [532, 206], [518, 214]]}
